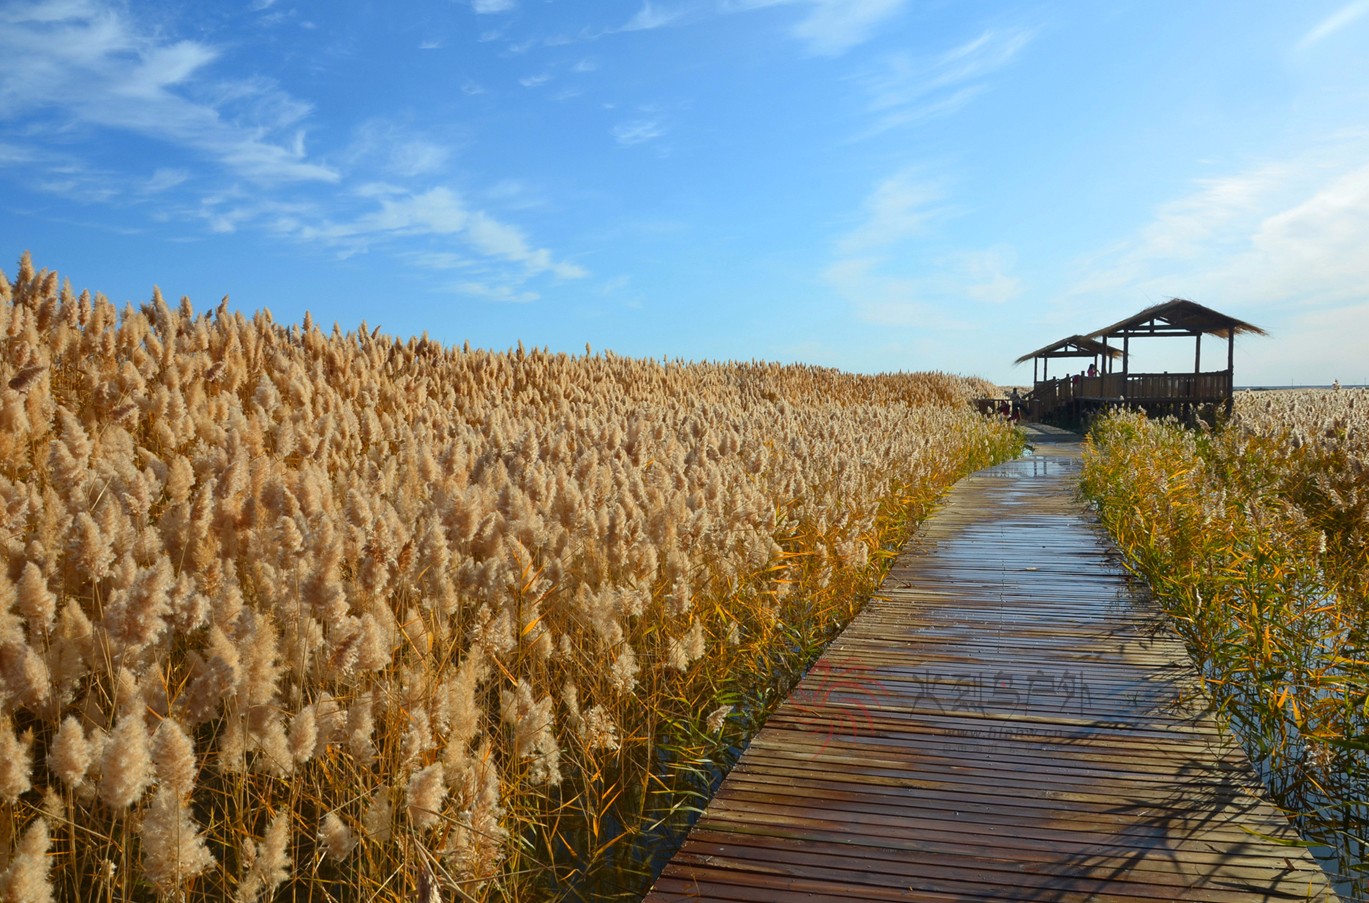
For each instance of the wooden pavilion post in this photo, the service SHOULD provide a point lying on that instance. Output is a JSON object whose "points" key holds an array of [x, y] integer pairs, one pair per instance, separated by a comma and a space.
{"points": [[1230, 370], [1126, 360], [1197, 362]]}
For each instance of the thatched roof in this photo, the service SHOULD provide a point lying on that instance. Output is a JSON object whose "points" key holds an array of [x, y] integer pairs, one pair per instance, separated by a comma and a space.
{"points": [[1074, 346], [1178, 316]]}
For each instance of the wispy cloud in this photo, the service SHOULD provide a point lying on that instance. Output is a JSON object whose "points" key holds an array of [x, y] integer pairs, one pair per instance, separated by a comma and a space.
{"points": [[492, 6], [534, 81], [164, 180], [899, 208], [653, 15], [893, 269], [14, 154], [1280, 236], [90, 64], [904, 89], [835, 26], [1333, 23], [496, 239], [829, 27], [437, 212], [637, 131], [83, 188], [985, 275], [395, 150], [509, 294]]}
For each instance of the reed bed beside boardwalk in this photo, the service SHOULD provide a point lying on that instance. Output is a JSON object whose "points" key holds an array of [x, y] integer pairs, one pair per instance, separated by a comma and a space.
{"points": [[287, 612], [1255, 537]]}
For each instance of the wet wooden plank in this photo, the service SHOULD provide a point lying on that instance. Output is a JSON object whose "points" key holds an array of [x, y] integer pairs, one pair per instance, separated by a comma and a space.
{"points": [[1010, 719]]}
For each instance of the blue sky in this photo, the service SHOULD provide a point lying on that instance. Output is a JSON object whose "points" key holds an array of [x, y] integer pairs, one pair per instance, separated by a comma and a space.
{"points": [[867, 184]]}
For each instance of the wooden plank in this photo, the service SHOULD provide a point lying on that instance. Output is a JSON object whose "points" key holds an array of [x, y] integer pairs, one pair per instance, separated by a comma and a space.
{"points": [[1009, 719], [1144, 873]]}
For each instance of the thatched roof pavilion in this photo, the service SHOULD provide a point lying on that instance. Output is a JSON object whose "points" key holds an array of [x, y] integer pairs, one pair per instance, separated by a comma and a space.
{"points": [[1179, 317], [1073, 346], [1079, 395]]}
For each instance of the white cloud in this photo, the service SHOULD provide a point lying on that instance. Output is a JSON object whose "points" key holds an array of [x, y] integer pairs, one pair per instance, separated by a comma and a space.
{"points": [[74, 180], [985, 274], [904, 89], [80, 188], [830, 27], [436, 213], [900, 207], [397, 150], [497, 239], [90, 64], [14, 154], [741, 6], [492, 6], [512, 194], [534, 81], [1280, 244], [894, 271], [934, 295], [877, 296], [637, 131], [1333, 23], [165, 179], [835, 26], [510, 294], [651, 16], [1279, 234]]}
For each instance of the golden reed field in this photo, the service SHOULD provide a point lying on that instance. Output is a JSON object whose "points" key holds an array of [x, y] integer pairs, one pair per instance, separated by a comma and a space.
{"points": [[288, 613], [1255, 537]]}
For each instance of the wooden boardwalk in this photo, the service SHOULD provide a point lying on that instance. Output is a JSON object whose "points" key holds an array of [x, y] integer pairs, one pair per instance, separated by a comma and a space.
{"points": [[1010, 720]]}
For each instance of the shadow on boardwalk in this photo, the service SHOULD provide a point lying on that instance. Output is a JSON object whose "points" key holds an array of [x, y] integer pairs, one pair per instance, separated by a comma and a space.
{"points": [[1009, 719]]}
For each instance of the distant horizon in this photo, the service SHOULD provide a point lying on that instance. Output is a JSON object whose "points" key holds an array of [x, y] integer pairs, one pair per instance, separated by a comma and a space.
{"points": [[870, 185], [367, 326]]}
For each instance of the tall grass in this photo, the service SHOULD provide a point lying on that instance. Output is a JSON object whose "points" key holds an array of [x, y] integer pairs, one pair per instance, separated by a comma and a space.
{"points": [[287, 612], [1253, 539]]}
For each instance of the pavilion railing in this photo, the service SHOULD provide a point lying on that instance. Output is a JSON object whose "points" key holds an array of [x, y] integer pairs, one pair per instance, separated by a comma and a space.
{"points": [[1138, 388]]}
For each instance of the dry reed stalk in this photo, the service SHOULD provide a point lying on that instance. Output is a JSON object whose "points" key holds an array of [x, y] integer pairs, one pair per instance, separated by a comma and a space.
{"points": [[306, 605]]}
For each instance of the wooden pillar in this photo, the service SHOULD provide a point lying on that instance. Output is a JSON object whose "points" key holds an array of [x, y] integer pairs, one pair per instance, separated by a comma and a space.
{"points": [[1230, 370], [1126, 361], [1197, 354], [1036, 365]]}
